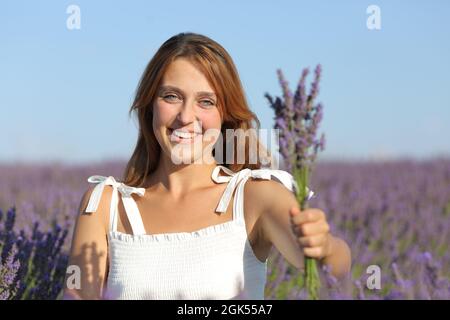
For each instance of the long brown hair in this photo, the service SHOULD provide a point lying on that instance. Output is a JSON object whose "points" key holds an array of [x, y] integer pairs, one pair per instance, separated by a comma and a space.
{"points": [[218, 67]]}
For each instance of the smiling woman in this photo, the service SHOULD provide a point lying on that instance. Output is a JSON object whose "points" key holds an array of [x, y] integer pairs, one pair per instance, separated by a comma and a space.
{"points": [[183, 110], [167, 230], [191, 84]]}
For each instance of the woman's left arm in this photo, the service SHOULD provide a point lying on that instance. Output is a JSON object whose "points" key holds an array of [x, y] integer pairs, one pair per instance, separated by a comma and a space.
{"points": [[291, 230]]}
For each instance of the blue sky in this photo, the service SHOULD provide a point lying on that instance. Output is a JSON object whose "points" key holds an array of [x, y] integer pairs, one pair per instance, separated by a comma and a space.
{"points": [[65, 94]]}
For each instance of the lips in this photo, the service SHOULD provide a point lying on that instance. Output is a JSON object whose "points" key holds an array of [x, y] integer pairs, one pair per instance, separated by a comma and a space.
{"points": [[182, 135], [185, 131]]}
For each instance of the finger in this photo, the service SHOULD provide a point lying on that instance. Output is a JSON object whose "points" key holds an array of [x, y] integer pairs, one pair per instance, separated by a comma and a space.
{"points": [[295, 230], [308, 215], [313, 241], [294, 211], [316, 252], [310, 229]]}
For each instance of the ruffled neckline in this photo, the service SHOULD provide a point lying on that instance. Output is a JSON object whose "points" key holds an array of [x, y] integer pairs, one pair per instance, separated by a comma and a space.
{"points": [[177, 236], [180, 236]]}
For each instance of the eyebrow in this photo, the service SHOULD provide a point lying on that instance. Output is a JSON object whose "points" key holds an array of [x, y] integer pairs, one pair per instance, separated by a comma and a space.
{"points": [[200, 93]]}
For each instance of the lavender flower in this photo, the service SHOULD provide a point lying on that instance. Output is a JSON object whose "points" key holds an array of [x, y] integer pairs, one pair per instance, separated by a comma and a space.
{"points": [[34, 266], [298, 119], [8, 275]]}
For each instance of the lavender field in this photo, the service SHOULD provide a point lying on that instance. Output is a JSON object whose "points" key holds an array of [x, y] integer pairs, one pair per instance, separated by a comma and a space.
{"points": [[395, 215]]}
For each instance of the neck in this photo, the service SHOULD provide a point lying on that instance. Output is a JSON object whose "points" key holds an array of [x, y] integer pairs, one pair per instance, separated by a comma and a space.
{"points": [[180, 180]]}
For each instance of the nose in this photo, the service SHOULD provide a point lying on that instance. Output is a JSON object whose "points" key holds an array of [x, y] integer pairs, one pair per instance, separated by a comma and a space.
{"points": [[187, 113]]}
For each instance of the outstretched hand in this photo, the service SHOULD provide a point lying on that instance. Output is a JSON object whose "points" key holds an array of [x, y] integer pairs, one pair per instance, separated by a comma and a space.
{"points": [[312, 231]]}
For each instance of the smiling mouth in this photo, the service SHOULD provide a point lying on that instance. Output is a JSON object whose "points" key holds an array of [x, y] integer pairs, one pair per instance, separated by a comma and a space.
{"points": [[182, 136]]}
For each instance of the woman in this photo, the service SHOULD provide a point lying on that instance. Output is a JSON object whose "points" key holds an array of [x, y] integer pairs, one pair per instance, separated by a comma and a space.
{"points": [[166, 231]]}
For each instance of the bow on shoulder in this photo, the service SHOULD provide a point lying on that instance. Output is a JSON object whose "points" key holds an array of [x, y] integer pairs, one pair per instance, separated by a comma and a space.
{"points": [[101, 182], [239, 178]]}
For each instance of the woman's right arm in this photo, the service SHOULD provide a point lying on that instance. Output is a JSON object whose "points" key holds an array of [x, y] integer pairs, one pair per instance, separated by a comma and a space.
{"points": [[87, 267]]}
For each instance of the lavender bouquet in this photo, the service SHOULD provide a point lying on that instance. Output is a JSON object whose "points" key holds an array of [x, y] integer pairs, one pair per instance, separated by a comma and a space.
{"points": [[297, 119]]}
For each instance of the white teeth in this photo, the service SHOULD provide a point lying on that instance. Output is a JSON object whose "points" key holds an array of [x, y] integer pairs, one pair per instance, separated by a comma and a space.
{"points": [[184, 135]]}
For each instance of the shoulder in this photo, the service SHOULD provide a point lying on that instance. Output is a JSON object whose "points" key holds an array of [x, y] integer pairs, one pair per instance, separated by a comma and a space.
{"points": [[269, 195], [101, 214], [89, 245], [271, 200], [105, 197]]}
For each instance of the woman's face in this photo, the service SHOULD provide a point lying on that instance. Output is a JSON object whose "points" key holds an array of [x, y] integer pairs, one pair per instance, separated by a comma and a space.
{"points": [[186, 102]]}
